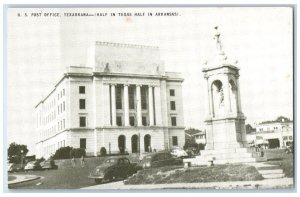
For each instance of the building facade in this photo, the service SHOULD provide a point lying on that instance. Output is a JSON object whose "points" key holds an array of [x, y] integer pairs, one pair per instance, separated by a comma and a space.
{"points": [[122, 100], [273, 134]]}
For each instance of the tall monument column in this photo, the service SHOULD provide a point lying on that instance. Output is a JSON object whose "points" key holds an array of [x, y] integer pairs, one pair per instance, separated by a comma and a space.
{"points": [[225, 129]]}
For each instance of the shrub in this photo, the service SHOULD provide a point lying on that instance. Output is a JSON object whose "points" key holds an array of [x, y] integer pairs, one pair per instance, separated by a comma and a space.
{"points": [[62, 153], [103, 151], [77, 152]]}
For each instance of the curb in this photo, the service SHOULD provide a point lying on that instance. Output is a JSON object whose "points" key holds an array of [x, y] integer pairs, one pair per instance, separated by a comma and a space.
{"points": [[24, 180]]}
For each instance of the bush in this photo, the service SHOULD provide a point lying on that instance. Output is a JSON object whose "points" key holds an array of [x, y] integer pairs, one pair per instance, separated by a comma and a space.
{"points": [[103, 151], [62, 153], [77, 152], [41, 159]]}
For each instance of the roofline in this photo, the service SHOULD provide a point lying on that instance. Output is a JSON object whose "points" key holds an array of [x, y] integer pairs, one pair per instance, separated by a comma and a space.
{"points": [[103, 74]]}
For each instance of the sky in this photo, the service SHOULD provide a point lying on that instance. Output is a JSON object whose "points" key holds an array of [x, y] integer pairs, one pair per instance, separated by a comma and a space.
{"points": [[261, 39]]}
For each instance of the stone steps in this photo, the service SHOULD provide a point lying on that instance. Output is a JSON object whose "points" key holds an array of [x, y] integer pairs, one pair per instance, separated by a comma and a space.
{"points": [[269, 173]]}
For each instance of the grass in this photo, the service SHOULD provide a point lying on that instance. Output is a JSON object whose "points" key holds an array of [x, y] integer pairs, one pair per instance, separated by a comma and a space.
{"points": [[176, 174], [11, 178], [283, 160]]}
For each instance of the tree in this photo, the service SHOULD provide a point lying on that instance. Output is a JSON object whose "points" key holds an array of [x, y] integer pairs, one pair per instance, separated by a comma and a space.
{"points": [[249, 129], [62, 153], [16, 152]]}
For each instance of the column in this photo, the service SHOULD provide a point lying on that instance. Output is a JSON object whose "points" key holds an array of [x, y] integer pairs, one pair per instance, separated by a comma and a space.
{"points": [[113, 104], [208, 100], [126, 105], [106, 105], [150, 99], [158, 113], [239, 106], [138, 105]]}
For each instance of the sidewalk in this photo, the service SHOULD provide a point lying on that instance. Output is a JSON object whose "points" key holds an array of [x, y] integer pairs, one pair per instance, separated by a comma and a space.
{"points": [[282, 183], [21, 178]]}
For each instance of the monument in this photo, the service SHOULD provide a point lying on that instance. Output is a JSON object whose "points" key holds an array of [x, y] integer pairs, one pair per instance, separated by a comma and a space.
{"points": [[225, 122]]}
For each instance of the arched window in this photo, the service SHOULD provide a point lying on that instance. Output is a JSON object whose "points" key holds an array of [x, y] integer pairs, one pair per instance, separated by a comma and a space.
{"points": [[134, 144], [122, 143], [217, 96], [147, 143]]}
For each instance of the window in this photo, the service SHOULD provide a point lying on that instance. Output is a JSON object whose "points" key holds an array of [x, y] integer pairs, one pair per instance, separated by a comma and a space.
{"points": [[119, 120], [81, 103], [144, 121], [173, 107], [285, 137], [58, 109], [118, 97], [174, 140], [64, 105], [58, 126], [64, 123], [83, 143], [82, 121], [63, 92], [290, 137], [131, 97], [173, 120], [172, 92], [144, 97], [81, 89], [131, 120]]}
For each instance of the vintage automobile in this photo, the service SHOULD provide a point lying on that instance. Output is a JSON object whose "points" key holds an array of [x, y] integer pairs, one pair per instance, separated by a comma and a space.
{"points": [[158, 159], [32, 165], [178, 152], [113, 168], [48, 165], [289, 149], [13, 167]]}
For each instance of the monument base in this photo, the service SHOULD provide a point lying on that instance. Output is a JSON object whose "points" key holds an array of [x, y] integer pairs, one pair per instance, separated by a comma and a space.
{"points": [[222, 156]]}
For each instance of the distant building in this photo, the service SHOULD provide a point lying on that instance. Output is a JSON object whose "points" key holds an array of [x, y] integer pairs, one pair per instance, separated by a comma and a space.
{"points": [[196, 136], [123, 100], [275, 134]]}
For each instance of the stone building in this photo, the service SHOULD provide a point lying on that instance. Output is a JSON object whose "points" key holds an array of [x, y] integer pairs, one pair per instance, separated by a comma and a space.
{"points": [[122, 100], [273, 134]]}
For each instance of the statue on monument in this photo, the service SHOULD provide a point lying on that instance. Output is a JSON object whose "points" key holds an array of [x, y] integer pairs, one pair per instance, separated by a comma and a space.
{"points": [[217, 38]]}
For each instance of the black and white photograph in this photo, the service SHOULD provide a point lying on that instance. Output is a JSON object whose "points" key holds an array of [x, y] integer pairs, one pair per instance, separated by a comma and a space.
{"points": [[126, 98]]}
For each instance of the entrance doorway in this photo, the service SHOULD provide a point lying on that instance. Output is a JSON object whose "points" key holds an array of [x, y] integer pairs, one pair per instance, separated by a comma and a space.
{"points": [[147, 143], [274, 143], [122, 143], [134, 144]]}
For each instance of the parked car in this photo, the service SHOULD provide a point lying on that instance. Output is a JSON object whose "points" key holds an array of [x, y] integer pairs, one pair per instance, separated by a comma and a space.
{"points": [[178, 152], [48, 165], [158, 159], [32, 165], [13, 167], [113, 168], [289, 149]]}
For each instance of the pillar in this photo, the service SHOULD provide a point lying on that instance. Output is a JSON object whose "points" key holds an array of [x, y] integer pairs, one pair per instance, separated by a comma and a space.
{"points": [[126, 105], [138, 105], [239, 106], [113, 104], [158, 112], [106, 104], [150, 99], [209, 99]]}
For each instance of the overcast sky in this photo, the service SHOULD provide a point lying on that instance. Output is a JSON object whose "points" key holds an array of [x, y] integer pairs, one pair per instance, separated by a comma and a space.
{"points": [[39, 49]]}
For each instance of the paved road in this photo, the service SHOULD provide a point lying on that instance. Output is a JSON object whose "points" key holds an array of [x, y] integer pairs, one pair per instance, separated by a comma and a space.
{"points": [[282, 183]]}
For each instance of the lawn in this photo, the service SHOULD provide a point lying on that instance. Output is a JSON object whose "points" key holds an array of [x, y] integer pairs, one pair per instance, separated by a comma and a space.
{"points": [[283, 160], [177, 174]]}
